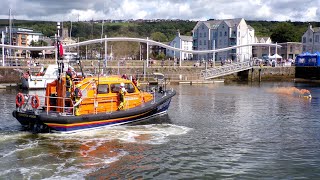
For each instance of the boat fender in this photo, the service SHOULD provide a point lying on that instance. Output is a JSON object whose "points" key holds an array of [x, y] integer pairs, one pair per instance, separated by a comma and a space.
{"points": [[19, 99], [35, 102]]}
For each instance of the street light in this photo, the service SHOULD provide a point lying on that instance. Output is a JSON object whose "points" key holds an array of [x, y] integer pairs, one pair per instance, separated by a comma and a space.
{"points": [[2, 41]]}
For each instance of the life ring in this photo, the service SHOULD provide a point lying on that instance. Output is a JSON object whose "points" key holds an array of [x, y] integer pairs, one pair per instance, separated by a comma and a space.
{"points": [[35, 102], [19, 99]]}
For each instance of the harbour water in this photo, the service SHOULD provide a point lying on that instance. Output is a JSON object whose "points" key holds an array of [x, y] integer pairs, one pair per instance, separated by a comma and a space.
{"points": [[214, 131]]}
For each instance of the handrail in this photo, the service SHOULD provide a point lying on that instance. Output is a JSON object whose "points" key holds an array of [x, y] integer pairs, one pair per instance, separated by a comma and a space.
{"points": [[73, 105], [226, 69]]}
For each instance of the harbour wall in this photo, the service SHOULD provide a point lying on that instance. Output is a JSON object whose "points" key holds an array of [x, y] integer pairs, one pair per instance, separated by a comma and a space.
{"points": [[184, 74]]}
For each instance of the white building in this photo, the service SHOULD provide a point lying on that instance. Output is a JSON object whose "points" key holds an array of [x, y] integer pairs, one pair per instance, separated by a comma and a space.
{"points": [[311, 40], [20, 37], [217, 34], [181, 42], [261, 52]]}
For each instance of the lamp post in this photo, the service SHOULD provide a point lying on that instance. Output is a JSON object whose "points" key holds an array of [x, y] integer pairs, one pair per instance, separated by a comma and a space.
{"points": [[174, 55], [2, 41], [180, 52], [147, 52], [214, 54], [106, 51], [140, 51]]}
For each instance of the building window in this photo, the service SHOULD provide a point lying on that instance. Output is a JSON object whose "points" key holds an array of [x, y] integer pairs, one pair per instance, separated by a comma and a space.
{"points": [[200, 43], [317, 38], [225, 33], [200, 34], [304, 49], [304, 40], [204, 42], [220, 34], [310, 40], [204, 34], [291, 48]]}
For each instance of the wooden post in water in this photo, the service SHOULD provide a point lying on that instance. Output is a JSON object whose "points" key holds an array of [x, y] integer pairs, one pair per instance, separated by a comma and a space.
{"points": [[260, 75], [252, 75]]}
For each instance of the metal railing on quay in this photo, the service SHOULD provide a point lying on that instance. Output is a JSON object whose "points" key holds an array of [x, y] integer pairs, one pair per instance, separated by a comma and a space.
{"points": [[226, 69]]}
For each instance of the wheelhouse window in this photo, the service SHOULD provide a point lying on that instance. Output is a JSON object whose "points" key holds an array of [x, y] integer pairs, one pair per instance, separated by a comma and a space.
{"points": [[128, 86], [115, 88], [103, 89]]}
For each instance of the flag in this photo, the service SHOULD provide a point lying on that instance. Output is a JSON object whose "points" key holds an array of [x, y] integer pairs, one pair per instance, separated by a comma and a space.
{"points": [[60, 50]]}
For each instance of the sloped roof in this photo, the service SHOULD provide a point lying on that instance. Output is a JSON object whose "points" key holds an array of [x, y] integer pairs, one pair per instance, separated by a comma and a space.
{"points": [[229, 22], [250, 27], [214, 24], [186, 38], [316, 29], [262, 38]]}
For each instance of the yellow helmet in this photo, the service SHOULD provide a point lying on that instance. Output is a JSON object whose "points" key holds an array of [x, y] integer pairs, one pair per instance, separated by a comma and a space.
{"points": [[78, 85]]}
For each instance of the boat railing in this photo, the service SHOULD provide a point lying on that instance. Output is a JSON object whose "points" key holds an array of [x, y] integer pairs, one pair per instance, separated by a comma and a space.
{"points": [[44, 102], [67, 108], [99, 104]]}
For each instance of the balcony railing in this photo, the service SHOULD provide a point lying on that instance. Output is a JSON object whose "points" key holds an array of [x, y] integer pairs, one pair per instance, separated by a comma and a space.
{"points": [[232, 43]]}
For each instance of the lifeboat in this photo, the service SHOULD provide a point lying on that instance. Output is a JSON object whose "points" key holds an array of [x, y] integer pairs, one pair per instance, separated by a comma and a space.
{"points": [[89, 103]]}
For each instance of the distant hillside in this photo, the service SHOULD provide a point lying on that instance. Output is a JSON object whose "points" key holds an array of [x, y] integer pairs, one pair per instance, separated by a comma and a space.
{"points": [[161, 31]]}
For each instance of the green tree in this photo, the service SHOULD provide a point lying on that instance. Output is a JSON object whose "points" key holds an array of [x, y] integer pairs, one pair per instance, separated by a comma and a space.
{"points": [[159, 36], [161, 56], [285, 32], [38, 43]]}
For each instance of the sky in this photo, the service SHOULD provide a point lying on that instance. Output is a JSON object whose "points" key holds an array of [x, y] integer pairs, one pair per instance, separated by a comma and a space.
{"points": [[196, 10]]}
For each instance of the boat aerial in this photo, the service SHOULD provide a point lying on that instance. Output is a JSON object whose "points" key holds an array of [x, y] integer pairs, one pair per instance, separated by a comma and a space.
{"points": [[92, 103]]}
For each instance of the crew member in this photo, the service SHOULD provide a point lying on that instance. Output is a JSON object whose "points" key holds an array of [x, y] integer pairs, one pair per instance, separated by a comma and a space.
{"points": [[69, 79], [122, 93], [26, 75], [77, 97], [136, 82]]}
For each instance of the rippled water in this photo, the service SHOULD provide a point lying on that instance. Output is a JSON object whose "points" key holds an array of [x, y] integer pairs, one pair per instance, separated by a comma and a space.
{"points": [[211, 131]]}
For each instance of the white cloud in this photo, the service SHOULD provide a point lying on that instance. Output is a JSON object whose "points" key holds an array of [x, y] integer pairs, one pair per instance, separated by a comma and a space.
{"points": [[264, 12], [295, 10], [311, 14]]}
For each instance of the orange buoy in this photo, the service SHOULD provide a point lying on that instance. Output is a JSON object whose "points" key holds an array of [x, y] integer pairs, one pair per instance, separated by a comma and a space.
{"points": [[35, 101], [19, 99]]}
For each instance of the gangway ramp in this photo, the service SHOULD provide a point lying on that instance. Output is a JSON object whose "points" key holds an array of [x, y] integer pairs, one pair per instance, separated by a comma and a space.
{"points": [[226, 70]]}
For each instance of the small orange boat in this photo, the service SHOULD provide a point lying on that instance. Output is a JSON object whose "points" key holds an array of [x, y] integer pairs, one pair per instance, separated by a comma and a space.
{"points": [[93, 102]]}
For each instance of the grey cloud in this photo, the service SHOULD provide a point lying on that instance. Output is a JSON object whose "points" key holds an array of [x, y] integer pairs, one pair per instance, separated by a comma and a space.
{"points": [[199, 9]]}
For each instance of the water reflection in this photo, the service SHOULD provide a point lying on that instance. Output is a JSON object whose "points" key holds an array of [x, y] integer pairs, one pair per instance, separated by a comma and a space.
{"points": [[211, 132]]}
